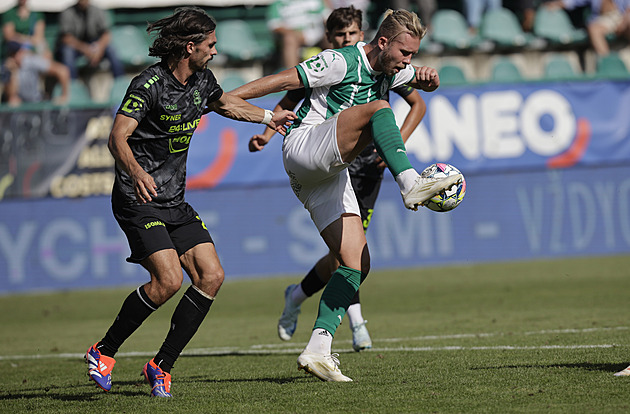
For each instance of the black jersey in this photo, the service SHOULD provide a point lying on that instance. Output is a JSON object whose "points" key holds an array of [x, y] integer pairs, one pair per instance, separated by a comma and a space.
{"points": [[168, 113], [364, 165]]}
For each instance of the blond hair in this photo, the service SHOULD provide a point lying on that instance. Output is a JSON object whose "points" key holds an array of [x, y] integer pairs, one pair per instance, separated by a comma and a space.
{"points": [[397, 22]]}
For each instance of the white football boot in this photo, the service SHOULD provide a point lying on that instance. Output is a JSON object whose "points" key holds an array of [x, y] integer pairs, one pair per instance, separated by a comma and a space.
{"points": [[324, 367], [360, 337], [623, 373], [288, 320], [425, 188]]}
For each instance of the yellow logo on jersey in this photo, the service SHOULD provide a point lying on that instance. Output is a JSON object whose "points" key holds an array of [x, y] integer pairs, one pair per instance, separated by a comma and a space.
{"points": [[133, 104]]}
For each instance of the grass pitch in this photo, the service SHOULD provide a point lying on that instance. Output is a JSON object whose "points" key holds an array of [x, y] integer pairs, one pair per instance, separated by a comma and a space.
{"points": [[542, 337]]}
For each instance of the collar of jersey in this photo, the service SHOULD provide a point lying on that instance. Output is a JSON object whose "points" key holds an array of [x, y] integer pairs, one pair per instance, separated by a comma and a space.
{"points": [[365, 59]]}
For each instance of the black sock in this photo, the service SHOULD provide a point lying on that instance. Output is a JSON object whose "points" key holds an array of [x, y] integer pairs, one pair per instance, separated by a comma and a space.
{"points": [[355, 298], [135, 309], [190, 312], [311, 283]]}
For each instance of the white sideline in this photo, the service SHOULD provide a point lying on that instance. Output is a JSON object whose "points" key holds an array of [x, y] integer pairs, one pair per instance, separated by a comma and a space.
{"points": [[288, 349]]}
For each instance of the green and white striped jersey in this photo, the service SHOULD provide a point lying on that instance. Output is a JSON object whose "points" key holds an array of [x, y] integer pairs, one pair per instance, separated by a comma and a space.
{"points": [[338, 79]]}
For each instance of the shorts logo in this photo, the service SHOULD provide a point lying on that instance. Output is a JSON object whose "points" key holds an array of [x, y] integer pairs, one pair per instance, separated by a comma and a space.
{"points": [[295, 185], [153, 224]]}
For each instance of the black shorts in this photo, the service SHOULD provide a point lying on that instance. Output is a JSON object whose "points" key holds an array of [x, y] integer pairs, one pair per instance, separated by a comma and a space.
{"points": [[366, 190], [150, 229]]}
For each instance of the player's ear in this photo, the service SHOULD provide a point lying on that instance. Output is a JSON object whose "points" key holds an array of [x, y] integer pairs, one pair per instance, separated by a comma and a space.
{"points": [[382, 42], [190, 47], [361, 36]]}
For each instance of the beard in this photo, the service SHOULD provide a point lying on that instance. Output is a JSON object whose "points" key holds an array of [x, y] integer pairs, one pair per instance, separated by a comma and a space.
{"points": [[388, 64]]}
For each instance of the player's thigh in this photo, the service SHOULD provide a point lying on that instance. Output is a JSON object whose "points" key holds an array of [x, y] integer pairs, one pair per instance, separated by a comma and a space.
{"points": [[353, 132], [346, 239]]}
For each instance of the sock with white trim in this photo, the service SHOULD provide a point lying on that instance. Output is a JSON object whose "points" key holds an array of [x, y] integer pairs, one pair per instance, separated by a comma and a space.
{"points": [[134, 311]]}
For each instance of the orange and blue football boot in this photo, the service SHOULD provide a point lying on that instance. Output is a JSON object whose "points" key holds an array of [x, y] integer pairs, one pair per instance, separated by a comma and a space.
{"points": [[99, 367], [159, 380]]}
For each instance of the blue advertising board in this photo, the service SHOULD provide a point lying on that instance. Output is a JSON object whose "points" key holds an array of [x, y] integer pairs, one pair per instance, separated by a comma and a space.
{"points": [[63, 244]]}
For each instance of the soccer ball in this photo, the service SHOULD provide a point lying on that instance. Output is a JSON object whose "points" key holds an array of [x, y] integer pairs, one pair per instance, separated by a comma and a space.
{"points": [[451, 197]]}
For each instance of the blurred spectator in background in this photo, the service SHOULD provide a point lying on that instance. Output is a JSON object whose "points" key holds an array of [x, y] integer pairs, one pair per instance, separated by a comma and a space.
{"points": [[525, 10], [606, 17], [22, 75], [424, 8], [84, 31], [22, 25], [296, 23], [474, 10]]}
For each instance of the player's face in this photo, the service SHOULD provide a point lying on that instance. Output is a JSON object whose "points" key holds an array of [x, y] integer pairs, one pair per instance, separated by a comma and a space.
{"points": [[346, 36], [396, 54], [203, 53]]}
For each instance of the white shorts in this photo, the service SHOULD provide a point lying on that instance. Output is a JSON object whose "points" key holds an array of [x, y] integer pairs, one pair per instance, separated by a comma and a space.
{"points": [[319, 177]]}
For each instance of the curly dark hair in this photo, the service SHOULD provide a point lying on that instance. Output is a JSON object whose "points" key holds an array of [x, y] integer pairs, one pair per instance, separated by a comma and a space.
{"points": [[186, 24]]}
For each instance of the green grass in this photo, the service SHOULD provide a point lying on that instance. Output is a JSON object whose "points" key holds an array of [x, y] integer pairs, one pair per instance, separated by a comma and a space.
{"points": [[541, 337]]}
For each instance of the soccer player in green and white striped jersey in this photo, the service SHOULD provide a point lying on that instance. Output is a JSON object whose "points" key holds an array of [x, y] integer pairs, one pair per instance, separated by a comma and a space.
{"points": [[342, 112]]}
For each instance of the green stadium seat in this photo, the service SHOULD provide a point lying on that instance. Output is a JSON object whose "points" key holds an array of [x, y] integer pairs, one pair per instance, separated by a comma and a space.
{"points": [[132, 46], [237, 40], [502, 27], [558, 67], [451, 29], [119, 88], [555, 26], [451, 75], [79, 93], [611, 67], [232, 81], [504, 70]]}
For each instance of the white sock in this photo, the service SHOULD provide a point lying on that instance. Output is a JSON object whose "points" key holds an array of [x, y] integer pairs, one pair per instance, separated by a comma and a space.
{"points": [[297, 295], [320, 342], [354, 314], [407, 179]]}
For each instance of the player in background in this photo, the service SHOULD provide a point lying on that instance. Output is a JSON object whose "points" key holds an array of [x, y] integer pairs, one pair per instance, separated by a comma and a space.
{"points": [[149, 140], [343, 28], [343, 111]]}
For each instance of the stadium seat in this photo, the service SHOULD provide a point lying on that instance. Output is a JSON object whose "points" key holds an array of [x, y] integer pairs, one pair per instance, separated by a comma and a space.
{"points": [[232, 81], [451, 75], [558, 67], [79, 93], [238, 41], [611, 67], [555, 26], [451, 29], [504, 70], [132, 46], [119, 88], [502, 27]]}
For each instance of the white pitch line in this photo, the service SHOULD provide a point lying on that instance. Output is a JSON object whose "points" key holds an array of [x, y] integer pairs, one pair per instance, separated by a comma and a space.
{"points": [[289, 348]]}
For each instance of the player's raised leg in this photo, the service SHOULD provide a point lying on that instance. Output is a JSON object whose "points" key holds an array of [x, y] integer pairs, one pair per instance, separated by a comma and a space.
{"points": [[375, 121]]}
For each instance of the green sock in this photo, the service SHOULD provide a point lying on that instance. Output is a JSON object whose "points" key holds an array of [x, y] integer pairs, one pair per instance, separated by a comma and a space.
{"points": [[388, 142], [336, 298]]}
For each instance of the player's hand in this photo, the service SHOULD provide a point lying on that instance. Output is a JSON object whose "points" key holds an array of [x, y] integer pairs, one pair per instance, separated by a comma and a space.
{"points": [[144, 186], [281, 120], [258, 142], [427, 78], [380, 164]]}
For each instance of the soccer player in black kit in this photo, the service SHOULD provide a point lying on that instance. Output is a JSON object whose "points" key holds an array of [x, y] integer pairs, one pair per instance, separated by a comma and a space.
{"points": [[149, 141]]}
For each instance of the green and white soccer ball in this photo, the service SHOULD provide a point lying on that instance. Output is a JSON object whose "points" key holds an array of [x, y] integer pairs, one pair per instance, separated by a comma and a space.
{"points": [[451, 197]]}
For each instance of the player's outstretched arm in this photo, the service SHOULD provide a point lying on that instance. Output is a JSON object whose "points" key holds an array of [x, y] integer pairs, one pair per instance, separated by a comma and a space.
{"points": [[426, 79], [258, 141], [236, 108], [284, 81], [144, 184]]}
